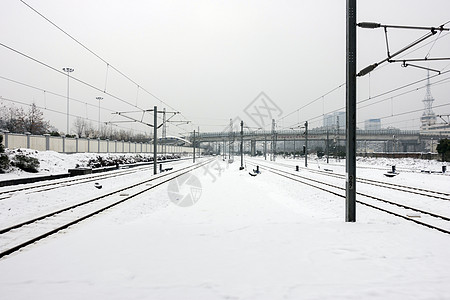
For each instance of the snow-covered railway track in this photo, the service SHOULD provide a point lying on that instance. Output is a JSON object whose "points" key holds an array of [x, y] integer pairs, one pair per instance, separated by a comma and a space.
{"points": [[7, 192], [433, 220], [399, 187], [400, 169], [18, 236]]}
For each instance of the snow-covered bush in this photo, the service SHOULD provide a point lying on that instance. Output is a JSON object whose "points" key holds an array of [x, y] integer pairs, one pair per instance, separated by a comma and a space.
{"points": [[4, 162], [4, 159], [26, 163], [2, 148]]}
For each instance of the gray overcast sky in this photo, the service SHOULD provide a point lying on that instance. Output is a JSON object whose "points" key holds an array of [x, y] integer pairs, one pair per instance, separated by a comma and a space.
{"points": [[211, 59]]}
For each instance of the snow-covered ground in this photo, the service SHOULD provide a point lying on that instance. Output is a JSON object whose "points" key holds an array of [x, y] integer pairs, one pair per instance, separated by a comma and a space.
{"points": [[262, 237], [52, 162]]}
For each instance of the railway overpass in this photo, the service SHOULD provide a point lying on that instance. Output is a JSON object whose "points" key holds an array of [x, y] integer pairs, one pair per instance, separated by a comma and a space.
{"points": [[392, 139]]}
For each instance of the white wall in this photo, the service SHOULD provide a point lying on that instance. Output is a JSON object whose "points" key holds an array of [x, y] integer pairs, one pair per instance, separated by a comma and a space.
{"points": [[55, 143]]}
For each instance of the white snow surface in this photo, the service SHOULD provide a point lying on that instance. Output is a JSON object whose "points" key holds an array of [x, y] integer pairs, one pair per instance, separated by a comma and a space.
{"points": [[52, 162], [262, 237]]}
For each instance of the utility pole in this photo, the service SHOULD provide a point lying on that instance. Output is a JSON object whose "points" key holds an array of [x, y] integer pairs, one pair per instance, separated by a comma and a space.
{"points": [[306, 144], [274, 145], [242, 146], [99, 99], [350, 191], [224, 150], [337, 138], [155, 139], [164, 132], [328, 147], [265, 147], [294, 145], [193, 158], [68, 71], [155, 128], [230, 136]]}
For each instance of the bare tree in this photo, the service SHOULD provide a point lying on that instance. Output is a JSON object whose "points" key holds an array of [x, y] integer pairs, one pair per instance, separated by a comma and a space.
{"points": [[12, 119], [34, 121], [89, 130], [105, 132], [80, 126]]}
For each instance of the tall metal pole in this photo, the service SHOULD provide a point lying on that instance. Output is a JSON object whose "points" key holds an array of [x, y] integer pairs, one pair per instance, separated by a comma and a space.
{"points": [[164, 132], [328, 145], [242, 146], [306, 144], [155, 139], [67, 127], [273, 141], [229, 142], [294, 145], [350, 191], [99, 98], [265, 147], [193, 159], [338, 141], [68, 70]]}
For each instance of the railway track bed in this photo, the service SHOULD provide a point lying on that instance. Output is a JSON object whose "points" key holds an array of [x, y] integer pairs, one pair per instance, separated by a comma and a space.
{"points": [[424, 207], [16, 234]]}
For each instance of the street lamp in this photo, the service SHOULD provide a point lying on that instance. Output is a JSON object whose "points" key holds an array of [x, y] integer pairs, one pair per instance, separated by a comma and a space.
{"points": [[99, 98], [68, 70]]}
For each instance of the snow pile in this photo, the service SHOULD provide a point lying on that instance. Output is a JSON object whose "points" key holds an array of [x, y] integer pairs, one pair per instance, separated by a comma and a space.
{"points": [[51, 162], [413, 164]]}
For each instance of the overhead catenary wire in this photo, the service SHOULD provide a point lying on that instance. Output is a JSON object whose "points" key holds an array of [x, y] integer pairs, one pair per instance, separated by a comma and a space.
{"points": [[96, 55], [65, 74], [442, 81], [138, 86], [54, 111], [312, 101], [379, 95], [412, 111], [52, 93]]}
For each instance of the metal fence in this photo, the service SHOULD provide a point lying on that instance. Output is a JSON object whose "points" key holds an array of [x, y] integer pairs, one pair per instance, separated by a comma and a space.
{"points": [[76, 145]]}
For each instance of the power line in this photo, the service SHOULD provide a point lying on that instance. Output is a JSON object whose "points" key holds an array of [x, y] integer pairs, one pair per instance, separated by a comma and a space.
{"points": [[52, 93], [96, 55], [401, 87], [311, 102], [370, 98], [381, 94], [56, 111], [412, 111], [63, 73], [443, 81]]}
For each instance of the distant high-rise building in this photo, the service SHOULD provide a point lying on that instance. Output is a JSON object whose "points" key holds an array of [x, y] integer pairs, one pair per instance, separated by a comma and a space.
{"points": [[372, 124], [332, 120]]}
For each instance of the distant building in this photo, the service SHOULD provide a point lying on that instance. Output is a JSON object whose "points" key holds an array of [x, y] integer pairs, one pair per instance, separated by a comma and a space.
{"points": [[372, 124], [438, 128], [334, 120], [428, 118]]}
